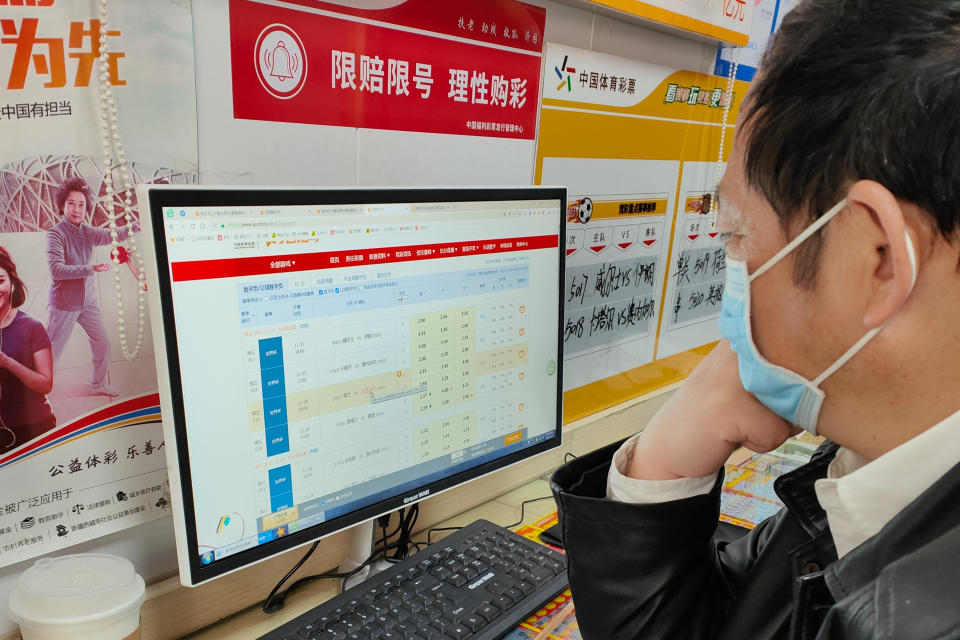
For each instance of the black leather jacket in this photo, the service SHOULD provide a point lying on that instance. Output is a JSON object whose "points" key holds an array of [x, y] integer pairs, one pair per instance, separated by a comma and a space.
{"points": [[660, 570]]}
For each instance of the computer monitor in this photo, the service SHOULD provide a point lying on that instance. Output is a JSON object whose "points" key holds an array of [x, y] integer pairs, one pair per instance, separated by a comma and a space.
{"points": [[326, 356]]}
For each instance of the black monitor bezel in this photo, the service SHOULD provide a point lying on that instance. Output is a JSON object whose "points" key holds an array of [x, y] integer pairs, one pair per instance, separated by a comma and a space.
{"points": [[159, 199]]}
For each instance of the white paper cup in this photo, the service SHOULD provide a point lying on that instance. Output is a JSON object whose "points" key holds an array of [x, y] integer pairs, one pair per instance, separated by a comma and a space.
{"points": [[86, 596]]}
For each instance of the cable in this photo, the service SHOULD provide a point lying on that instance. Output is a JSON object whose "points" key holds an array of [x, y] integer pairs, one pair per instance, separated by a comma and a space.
{"points": [[407, 522], [523, 506], [275, 601], [567, 457], [430, 532]]}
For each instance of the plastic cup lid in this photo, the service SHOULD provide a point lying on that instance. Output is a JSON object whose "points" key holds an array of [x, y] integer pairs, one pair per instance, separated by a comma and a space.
{"points": [[76, 588]]}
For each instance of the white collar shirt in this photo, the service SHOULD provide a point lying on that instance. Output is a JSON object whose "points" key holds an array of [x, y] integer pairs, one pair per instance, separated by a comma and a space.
{"points": [[861, 496]]}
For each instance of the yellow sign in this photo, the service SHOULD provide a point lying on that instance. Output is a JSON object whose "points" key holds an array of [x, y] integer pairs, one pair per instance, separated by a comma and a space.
{"points": [[637, 147], [727, 20]]}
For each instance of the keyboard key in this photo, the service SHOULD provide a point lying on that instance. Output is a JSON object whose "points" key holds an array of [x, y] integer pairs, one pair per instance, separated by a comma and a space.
{"points": [[333, 633], [426, 598], [502, 602], [459, 632], [422, 583], [352, 622], [521, 574], [473, 622], [421, 620], [476, 565], [556, 567], [540, 575], [457, 580], [366, 613], [514, 594], [323, 622], [488, 612], [405, 628], [440, 624], [440, 573], [400, 614], [454, 595], [495, 588]]}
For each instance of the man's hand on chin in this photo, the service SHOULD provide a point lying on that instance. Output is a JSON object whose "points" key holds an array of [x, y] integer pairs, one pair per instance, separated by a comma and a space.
{"points": [[705, 420]]}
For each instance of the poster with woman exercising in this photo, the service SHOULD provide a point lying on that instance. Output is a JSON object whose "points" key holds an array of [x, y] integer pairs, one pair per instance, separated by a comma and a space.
{"points": [[100, 97]]}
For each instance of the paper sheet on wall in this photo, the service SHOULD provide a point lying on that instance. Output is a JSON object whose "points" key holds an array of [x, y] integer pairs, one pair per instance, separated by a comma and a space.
{"points": [[637, 146], [96, 465]]}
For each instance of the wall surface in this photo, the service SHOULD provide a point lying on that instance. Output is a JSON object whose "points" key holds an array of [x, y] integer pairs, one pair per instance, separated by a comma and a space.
{"points": [[231, 151]]}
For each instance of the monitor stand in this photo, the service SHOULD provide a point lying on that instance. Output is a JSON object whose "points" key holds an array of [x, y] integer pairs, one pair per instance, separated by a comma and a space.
{"points": [[363, 542]]}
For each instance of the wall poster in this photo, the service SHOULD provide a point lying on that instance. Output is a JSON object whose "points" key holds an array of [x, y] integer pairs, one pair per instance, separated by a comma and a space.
{"points": [[469, 68], [637, 146], [81, 445], [727, 20]]}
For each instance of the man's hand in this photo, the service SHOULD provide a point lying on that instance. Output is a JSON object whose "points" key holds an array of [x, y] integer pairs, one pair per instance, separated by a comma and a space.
{"points": [[103, 266], [705, 420]]}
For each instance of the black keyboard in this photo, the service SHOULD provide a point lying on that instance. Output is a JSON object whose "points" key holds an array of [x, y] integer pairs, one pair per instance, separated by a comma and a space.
{"points": [[479, 582]]}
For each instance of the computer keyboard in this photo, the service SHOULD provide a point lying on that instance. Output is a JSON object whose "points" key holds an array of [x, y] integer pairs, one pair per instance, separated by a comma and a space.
{"points": [[479, 582]]}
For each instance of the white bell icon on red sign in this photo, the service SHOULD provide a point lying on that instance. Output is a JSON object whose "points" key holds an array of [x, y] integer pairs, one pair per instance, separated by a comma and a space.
{"points": [[280, 61]]}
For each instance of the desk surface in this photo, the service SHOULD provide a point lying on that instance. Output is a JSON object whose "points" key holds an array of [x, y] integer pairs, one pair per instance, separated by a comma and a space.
{"points": [[252, 623]]}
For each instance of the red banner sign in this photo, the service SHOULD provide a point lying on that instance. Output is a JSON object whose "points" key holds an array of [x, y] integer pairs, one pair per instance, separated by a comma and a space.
{"points": [[470, 68]]}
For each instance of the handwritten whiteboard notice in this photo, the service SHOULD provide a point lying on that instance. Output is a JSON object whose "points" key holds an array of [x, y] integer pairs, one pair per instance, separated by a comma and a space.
{"points": [[636, 145]]}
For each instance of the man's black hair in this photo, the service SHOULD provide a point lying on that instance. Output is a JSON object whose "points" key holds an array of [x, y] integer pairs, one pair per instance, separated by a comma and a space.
{"points": [[858, 90]]}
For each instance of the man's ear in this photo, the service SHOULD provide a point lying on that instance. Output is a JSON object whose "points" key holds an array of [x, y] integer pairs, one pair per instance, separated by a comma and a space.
{"points": [[894, 270]]}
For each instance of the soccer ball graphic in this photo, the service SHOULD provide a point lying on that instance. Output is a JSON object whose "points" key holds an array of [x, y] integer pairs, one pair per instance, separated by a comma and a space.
{"points": [[585, 210]]}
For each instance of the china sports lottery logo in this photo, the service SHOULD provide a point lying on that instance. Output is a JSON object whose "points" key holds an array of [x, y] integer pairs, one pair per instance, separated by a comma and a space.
{"points": [[565, 81], [281, 61]]}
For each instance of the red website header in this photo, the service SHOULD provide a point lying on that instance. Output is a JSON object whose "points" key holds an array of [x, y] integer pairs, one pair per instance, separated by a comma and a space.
{"points": [[262, 265]]}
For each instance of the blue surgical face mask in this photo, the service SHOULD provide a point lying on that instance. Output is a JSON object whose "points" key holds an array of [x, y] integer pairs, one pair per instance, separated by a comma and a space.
{"points": [[785, 392]]}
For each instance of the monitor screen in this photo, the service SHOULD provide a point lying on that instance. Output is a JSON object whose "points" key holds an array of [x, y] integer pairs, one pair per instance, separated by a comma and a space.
{"points": [[327, 356]]}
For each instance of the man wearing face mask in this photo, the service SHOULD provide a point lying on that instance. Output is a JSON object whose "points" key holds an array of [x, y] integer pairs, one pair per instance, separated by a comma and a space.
{"points": [[841, 201]]}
